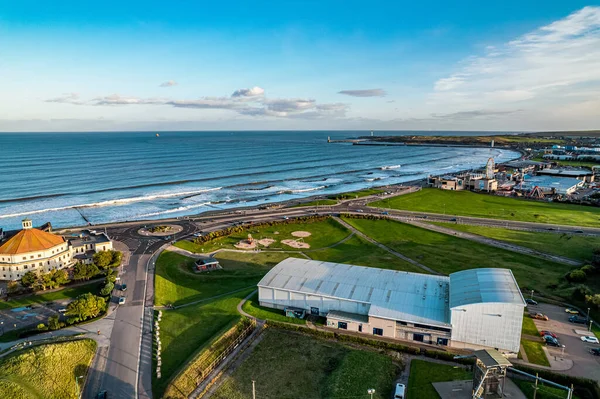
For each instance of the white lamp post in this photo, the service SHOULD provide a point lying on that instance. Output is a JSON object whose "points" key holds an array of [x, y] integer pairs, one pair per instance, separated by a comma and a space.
{"points": [[371, 391]]}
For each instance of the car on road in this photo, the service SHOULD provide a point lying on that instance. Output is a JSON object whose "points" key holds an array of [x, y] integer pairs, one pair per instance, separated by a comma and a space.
{"points": [[577, 320], [589, 339], [579, 231], [400, 391], [359, 210], [572, 311], [385, 213], [539, 316], [531, 302], [285, 218], [102, 395], [121, 300], [197, 234], [123, 287], [551, 341], [546, 332], [595, 351]]}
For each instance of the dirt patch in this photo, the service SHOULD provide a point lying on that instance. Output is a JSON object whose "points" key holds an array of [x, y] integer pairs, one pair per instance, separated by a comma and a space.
{"points": [[301, 234], [296, 244], [265, 242], [244, 244]]}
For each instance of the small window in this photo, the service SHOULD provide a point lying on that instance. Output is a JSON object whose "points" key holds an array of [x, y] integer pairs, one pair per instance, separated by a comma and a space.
{"points": [[31, 257], [342, 325], [25, 267], [39, 255], [24, 257], [378, 331], [418, 337]]}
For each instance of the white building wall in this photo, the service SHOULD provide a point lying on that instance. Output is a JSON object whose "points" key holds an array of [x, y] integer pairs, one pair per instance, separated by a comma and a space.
{"points": [[281, 299], [495, 325]]}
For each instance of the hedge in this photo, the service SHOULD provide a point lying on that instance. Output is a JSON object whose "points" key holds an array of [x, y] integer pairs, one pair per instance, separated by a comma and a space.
{"points": [[584, 387]]}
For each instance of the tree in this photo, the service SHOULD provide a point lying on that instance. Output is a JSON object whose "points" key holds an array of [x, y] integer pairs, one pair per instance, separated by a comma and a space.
{"points": [[577, 276], [42, 327], [53, 323], [82, 271], [107, 289], [103, 259], [61, 277], [117, 256], [593, 300], [111, 275], [85, 306], [12, 287], [29, 279]]}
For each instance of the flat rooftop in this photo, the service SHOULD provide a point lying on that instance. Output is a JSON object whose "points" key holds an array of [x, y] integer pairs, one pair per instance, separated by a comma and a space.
{"points": [[411, 297], [566, 172]]}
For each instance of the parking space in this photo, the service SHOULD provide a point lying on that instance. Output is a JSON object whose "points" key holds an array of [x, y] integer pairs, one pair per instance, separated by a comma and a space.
{"points": [[584, 363], [29, 316]]}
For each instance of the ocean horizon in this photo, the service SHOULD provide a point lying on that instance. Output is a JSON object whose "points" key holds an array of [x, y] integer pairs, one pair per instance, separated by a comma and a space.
{"points": [[71, 178]]}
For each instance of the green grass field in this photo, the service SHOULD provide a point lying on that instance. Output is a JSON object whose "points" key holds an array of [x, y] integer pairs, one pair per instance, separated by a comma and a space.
{"points": [[321, 202], [175, 282], [357, 194], [466, 203], [253, 308], [65, 293], [46, 371], [584, 164], [324, 233], [184, 331], [358, 251], [529, 327], [572, 246], [448, 254], [423, 374], [544, 391], [535, 352], [291, 366]]}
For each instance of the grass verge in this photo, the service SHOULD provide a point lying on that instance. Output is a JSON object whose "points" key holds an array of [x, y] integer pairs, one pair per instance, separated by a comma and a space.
{"points": [[423, 374], [323, 202], [290, 366], [529, 327], [46, 371], [356, 194], [535, 352], [467, 203], [252, 307]]}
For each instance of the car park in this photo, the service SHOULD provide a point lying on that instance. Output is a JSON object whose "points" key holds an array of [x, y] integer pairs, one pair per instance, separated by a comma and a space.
{"points": [[531, 302], [550, 333], [589, 339], [571, 311]]}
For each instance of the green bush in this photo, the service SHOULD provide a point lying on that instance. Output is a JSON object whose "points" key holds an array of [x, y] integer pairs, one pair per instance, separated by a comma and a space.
{"points": [[581, 292], [577, 276], [42, 327], [53, 323], [107, 289]]}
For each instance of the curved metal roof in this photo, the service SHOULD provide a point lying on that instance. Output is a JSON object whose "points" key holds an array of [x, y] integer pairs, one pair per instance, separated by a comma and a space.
{"points": [[473, 286]]}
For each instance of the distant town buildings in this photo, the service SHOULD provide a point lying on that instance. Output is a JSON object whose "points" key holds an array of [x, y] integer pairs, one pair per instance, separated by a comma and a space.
{"points": [[35, 249], [474, 309]]}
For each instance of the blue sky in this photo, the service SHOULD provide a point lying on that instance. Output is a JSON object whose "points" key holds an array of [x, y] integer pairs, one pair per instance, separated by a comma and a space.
{"points": [[299, 65]]}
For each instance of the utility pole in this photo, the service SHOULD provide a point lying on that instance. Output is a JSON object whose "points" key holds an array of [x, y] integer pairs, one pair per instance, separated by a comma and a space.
{"points": [[253, 390], [536, 386]]}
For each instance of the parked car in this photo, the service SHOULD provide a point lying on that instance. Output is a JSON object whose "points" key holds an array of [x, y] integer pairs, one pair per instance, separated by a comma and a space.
{"points": [[550, 333], [121, 300], [531, 302], [123, 287], [399, 394], [551, 341], [595, 351], [62, 310], [577, 320], [385, 213], [590, 339], [102, 395], [539, 316], [453, 220], [571, 311]]}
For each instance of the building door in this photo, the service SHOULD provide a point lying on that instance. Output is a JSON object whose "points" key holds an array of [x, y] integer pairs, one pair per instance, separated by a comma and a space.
{"points": [[418, 337], [342, 325], [442, 341], [360, 328], [314, 311]]}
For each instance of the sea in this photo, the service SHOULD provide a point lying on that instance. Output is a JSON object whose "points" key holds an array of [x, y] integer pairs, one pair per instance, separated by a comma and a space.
{"points": [[72, 179]]}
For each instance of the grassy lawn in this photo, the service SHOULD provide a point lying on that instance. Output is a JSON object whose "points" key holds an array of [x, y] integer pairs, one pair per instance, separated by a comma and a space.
{"points": [[324, 233], [317, 203], [184, 331], [529, 327], [357, 251], [253, 308], [572, 246], [448, 254], [585, 164], [423, 374], [290, 366], [467, 203], [46, 371], [65, 293], [357, 194], [535, 352], [544, 392], [175, 282]]}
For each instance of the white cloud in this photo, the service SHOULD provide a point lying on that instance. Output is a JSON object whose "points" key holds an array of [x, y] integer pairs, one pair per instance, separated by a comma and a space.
{"points": [[169, 83], [67, 98], [253, 92], [364, 93], [535, 71]]}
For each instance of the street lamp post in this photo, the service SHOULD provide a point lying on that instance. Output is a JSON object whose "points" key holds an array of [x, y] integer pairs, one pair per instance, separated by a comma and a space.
{"points": [[371, 392], [77, 385], [532, 294]]}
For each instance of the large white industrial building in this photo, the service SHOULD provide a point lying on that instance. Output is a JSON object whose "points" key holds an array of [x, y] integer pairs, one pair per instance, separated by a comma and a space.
{"points": [[476, 308]]}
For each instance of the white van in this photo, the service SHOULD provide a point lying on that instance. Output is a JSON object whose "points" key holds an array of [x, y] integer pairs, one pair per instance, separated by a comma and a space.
{"points": [[399, 391]]}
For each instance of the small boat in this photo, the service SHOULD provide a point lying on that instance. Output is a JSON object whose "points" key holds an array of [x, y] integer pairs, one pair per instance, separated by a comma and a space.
{"points": [[157, 135], [390, 167]]}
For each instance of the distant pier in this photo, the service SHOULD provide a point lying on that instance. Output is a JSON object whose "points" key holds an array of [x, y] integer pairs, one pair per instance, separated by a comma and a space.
{"points": [[354, 141]]}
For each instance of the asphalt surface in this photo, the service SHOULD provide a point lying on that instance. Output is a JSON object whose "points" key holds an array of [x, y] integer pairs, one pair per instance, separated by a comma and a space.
{"points": [[125, 369]]}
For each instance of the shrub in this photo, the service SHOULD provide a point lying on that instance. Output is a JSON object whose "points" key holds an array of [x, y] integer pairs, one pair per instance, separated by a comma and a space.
{"points": [[84, 307], [589, 270], [107, 289], [593, 300], [577, 276], [581, 292], [29, 279], [53, 323], [42, 327]]}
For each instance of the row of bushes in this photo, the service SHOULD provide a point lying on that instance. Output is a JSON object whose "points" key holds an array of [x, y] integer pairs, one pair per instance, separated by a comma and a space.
{"points": [[240, 229], [584, 387], [384, 345], [363, 216], [188, 378]]}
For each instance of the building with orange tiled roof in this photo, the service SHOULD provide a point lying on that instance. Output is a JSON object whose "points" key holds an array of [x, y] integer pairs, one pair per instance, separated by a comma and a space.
{"points": [[33, 249]]}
